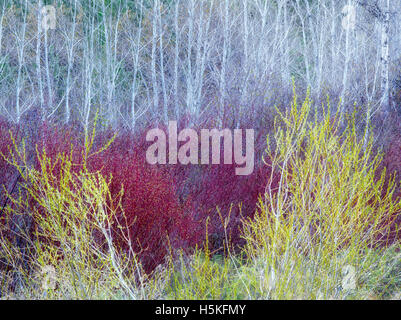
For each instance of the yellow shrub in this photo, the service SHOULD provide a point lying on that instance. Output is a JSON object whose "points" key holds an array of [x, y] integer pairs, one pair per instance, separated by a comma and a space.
{"points": [[329, 209], [72, 229]]}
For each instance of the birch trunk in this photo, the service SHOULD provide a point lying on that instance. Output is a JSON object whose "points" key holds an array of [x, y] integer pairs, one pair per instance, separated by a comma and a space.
{"points": [[385, 57], [155, 85], [38, 61], [21, 58], [70, 62]]}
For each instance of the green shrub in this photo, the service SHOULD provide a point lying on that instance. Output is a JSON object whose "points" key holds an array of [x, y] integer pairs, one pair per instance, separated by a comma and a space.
{"points": [[71, 214], [330, 213]]}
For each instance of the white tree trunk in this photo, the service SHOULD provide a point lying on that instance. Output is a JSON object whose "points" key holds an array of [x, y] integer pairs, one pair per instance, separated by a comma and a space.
{"points": [[161, 52], [38, 61], [176, 59], [385, 56], [190, 45], [71, 44], [346, 65], [48, 78], [136, 49], [21, 57], [223, 85], [155, 85]]}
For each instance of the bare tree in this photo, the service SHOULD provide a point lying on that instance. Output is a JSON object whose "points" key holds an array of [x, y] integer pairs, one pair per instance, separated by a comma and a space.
{"points": [[88, 66], [155, 84], [136, 48], [71, 43], [38, 61], [347, 56], [150, 59], [162, 73], [20, 40], [177, 33], [385, 55]]}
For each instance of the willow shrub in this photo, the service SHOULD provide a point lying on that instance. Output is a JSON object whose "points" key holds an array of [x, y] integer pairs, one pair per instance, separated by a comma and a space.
{"points": [[328, 221], [69, 225]]}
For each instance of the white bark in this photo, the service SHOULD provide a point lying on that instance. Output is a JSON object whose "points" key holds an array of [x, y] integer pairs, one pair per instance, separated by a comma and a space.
{"points": [[161, 52], [135, 52], [246, 71], [20, 37], [190, 44], [88, 70], [176, 58], [202, 52], [3, 9], [70, 60], [155, 85], [38, 61], [385, 56], [48, 77], [226, 41], [346, 66], [305, 42], [193, 57]]}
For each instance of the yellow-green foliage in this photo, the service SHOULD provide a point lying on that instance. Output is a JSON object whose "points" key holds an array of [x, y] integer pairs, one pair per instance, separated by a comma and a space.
{"points": [[72, 218], [314, 235], [328, 211], [198, 277]]}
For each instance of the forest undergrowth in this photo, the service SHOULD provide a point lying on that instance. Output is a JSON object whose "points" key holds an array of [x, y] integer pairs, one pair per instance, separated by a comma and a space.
{"points": [[84, 216]]}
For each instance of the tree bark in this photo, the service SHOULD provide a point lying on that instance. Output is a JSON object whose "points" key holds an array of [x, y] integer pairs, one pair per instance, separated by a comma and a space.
{"points": [[385, 57]]}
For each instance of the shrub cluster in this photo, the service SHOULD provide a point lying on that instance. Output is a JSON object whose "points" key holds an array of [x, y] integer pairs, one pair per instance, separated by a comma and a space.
{"points": [[320, 200], [333, 209]]}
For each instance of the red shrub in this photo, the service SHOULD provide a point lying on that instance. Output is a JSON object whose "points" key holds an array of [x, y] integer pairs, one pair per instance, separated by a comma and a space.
{"points": [[7, 172], [152, 210], [8, 177], [234, 196], [392, 163], [162, 202], [209, 187]]}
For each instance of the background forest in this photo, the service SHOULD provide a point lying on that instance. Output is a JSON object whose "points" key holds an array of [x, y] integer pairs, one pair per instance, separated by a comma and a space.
{"points": [[143, 61], [84, 216]]}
